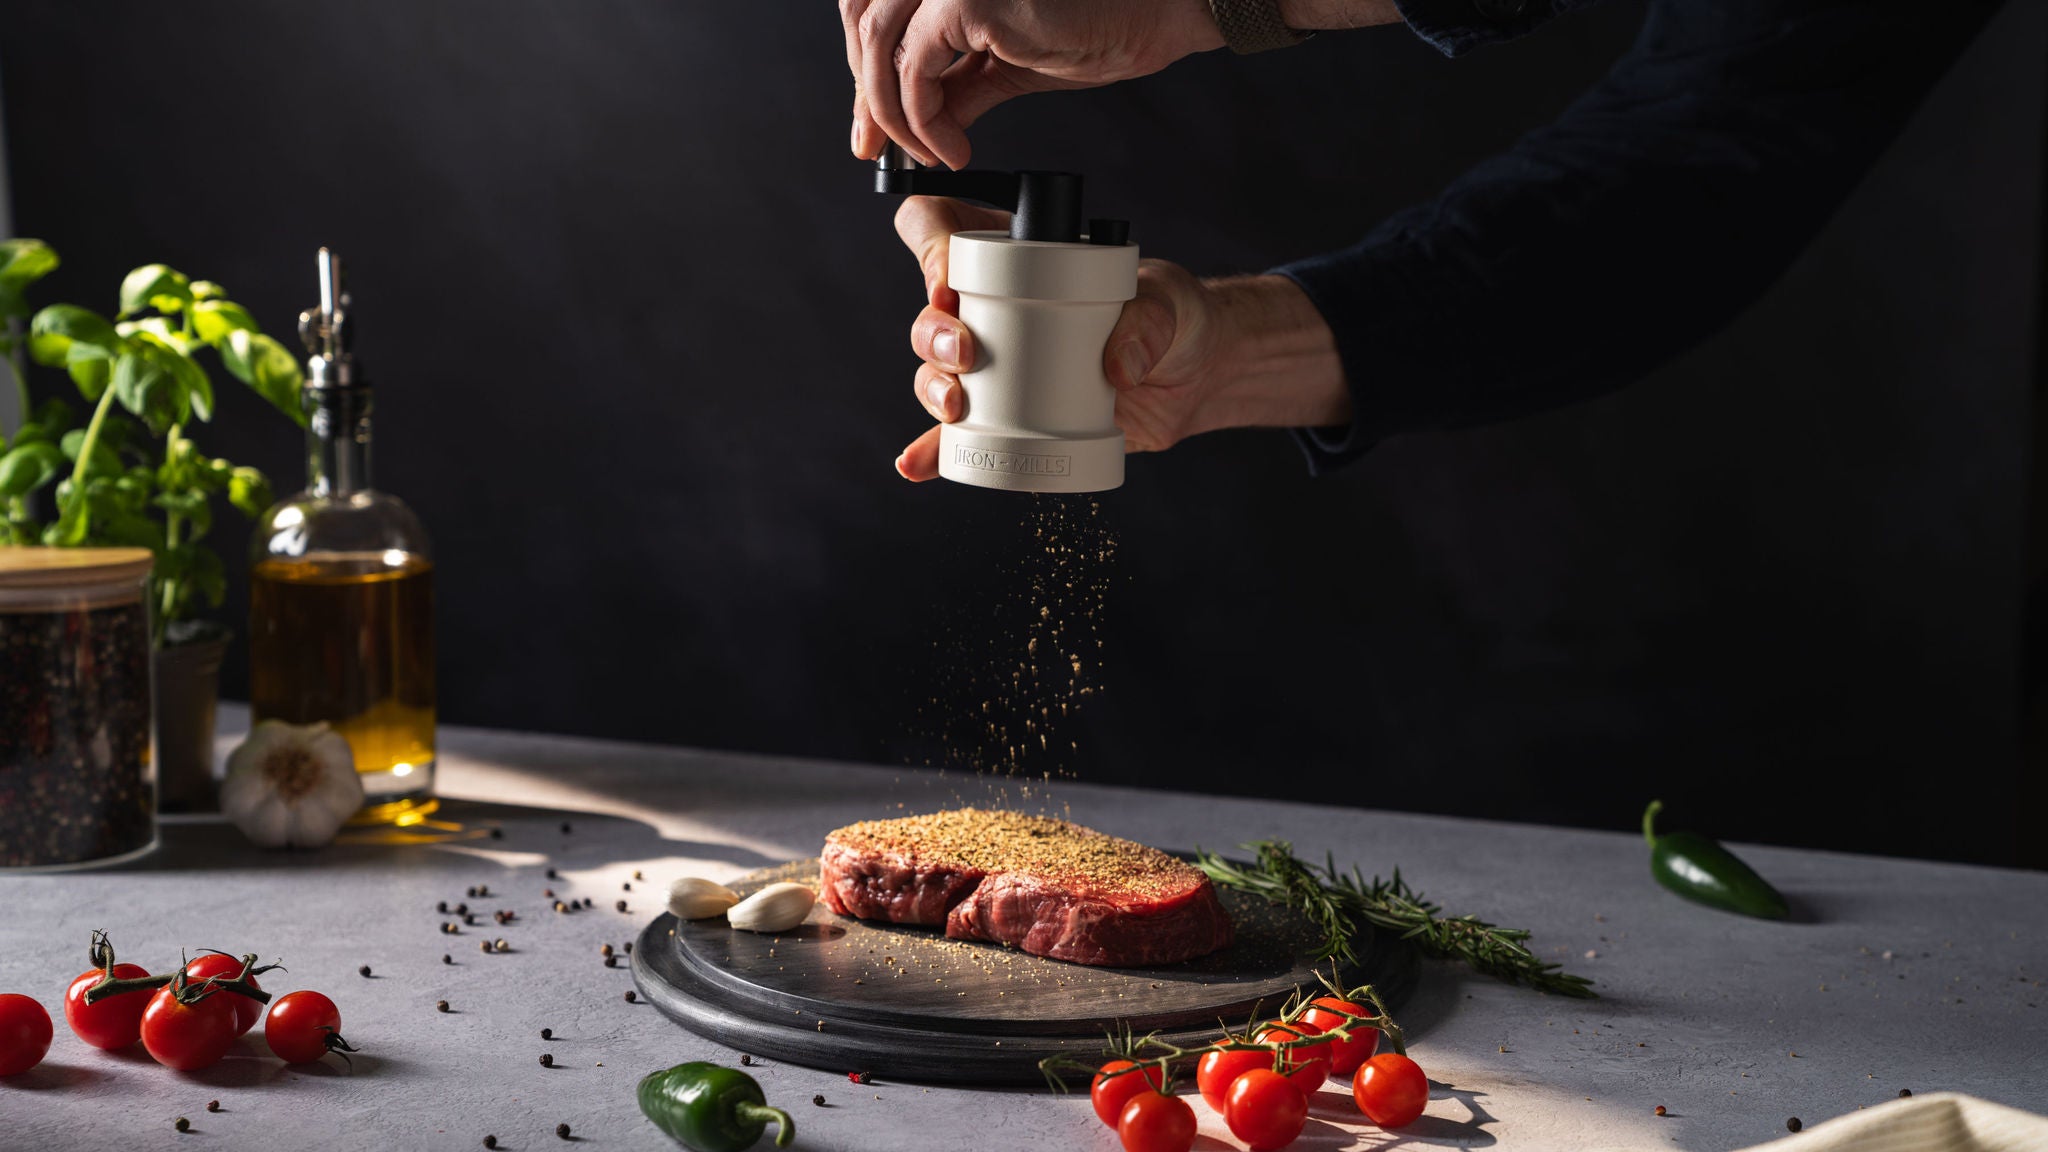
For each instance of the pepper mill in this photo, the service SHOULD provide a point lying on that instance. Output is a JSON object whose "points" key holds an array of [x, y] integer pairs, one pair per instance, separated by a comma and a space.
{"points": [[1041, 300]]}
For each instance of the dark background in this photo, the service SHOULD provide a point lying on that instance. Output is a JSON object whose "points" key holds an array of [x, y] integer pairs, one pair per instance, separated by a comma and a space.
{"points": [[640, 334]]}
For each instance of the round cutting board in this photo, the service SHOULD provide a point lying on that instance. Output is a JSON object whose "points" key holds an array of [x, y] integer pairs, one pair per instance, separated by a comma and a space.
{"points": [[907, 1003]]}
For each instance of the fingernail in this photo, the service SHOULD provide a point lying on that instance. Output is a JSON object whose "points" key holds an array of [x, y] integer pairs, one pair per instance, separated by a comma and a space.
{"points": [[936, 392], [899, 463], [854, 143], [1131, 358], [946, 348]]}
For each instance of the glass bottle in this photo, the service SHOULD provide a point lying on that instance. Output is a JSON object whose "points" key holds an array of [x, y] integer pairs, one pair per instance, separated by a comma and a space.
{"points": [[341, 599]]}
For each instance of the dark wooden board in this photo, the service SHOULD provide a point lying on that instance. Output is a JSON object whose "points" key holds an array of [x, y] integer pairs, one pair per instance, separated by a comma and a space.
{"points": [[909, 1004]]}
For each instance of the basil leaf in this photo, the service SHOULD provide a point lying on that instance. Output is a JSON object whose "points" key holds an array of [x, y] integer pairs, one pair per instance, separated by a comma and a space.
{"points": [[214, 319], [156, 286], [56, 328], [28, 467], [263, 364], [249, 491], [144, 384]]}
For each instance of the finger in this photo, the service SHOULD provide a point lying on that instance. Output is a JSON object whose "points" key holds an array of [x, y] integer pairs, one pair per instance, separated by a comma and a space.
{"points": [[941, 340], [930, 44], [920, 461], [1144, 332], [978, 82], [866, 141], [927, 224], [881, 33], [939, 392]]}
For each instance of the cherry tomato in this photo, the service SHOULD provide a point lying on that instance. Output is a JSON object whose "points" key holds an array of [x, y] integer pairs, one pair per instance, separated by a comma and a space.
{"points": [[1110, 1092], [247, 1011], [1391, 1090], [1307, 1067], [1345, 1055], [301, 1022], [115, 1022], [24, 1033], [1265, 1109], [1152, 1122], [191, 1036], [1217, 1069]]}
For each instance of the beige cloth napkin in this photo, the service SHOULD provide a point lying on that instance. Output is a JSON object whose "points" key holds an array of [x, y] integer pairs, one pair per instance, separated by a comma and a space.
{"points": [[1940, 1122]]}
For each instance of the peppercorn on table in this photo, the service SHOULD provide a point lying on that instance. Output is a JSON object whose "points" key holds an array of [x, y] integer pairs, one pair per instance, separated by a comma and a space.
{"points": [[1892, 975]]}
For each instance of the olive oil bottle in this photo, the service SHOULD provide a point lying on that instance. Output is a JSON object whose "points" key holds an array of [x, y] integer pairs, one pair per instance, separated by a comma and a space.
{"points": [[341, 599]]}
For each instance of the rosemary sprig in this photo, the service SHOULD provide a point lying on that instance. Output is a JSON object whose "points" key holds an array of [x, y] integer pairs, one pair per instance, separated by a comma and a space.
{"points": [[1338, 902]]}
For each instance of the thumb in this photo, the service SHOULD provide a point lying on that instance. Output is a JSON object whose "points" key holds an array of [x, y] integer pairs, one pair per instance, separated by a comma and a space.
{"points": [[1147, 329]]}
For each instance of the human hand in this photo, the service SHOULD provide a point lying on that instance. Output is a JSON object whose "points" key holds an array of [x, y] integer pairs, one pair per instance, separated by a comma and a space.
{"points": [[1186, 356], [923, 70]]}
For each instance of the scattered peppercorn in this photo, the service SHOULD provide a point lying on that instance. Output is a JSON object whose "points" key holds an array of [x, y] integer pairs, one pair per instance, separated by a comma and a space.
{"points": [[440, 1005], [1660, 1110], [448, 926], [182, 1124], [746, 1060], [626, 887], [562, 1130], [561, 907], [860, 1077], [1905, 1092], [547, 1033], [363, 971], [490, 1141], [611, 961], [621, 905], [447, 959], [637, 875], [604, 949], [565, 827], [497, 833], [547, 1060], [551, 873], [818, 1100], [631, 996], [629, 947], [462, 909], [483, 945], [1793, 1125], [483, 889], [502, 946], [470, 892], [469, 921], [442, 907]]}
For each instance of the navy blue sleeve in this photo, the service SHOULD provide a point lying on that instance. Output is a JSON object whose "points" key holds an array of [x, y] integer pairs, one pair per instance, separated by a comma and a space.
{"points": [[1656, 208], [1455, 27]]}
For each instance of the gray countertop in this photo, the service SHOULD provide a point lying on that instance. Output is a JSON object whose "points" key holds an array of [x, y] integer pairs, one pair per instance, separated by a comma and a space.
{"points": [[1899, 974]]}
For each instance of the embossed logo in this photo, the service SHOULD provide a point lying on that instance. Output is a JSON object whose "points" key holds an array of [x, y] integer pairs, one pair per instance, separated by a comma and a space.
{"points": [[991, 461]]}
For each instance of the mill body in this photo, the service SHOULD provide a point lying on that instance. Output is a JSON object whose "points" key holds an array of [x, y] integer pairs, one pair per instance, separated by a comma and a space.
{"points": [[1040, 413]]}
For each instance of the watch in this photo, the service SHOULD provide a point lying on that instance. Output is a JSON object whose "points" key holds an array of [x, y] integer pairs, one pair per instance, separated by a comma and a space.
{"points": [[1254, 25]]}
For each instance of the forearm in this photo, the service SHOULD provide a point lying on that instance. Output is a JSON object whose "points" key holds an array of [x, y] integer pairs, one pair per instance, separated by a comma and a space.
{"points": [[1276, 362], [1651, 213]]}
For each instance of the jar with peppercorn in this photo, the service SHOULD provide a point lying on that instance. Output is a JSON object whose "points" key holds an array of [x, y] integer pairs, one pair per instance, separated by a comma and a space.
{"points": [[77, 783]]}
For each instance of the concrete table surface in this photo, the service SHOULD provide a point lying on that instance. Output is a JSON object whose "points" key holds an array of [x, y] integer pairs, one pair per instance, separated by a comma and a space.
{"points": [[1898, 974]]}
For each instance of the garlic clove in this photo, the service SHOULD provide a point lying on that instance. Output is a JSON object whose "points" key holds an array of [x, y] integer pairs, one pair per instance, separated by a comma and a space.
{"points": [[695, 898], [776, 908]]}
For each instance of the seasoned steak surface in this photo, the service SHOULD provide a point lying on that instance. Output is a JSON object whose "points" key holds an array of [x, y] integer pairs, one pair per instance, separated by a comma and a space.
{"points": [[1043, 885]]}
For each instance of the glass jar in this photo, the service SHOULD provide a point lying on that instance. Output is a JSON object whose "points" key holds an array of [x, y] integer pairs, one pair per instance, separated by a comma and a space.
{"points": [[77, 781]]}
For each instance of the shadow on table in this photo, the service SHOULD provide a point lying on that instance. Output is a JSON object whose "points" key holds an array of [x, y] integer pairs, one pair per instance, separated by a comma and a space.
{"points": [[456, 837], [1331, 1108]]}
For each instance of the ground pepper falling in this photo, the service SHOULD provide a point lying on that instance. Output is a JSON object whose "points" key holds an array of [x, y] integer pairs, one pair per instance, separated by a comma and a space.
{"points": [[1013, 675]]}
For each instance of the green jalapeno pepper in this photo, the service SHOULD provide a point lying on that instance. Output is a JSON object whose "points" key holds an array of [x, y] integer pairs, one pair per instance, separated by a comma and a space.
{"points": [[711, 1108], [1701, 870]]}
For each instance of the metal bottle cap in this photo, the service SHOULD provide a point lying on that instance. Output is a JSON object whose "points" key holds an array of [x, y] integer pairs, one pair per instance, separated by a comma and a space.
{"points": [[326, 331]]}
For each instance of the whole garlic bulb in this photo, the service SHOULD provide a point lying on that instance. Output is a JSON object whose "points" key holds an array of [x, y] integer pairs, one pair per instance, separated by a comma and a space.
{"points": [[289, 786], [776, 908], [695, 898]]}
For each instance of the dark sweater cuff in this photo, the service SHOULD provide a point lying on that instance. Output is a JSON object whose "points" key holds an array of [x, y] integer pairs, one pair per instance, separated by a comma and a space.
{"points": [[1329, 449], [1455, 27]]}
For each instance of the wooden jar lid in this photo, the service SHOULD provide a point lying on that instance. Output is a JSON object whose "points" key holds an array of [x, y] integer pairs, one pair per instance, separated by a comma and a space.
{"points": [[71, 567]]}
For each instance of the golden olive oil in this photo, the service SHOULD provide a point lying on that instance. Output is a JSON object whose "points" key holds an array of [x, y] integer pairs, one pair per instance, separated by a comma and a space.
{"points": [[348, 638]]}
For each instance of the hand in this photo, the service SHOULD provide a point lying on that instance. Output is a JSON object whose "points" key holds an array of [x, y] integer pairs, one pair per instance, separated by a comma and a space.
{"points": [[1186, 356], [923, 70]]}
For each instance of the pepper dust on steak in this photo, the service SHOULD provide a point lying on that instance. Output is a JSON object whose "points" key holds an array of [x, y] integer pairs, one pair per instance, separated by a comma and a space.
{"points": [[1045, 886]]}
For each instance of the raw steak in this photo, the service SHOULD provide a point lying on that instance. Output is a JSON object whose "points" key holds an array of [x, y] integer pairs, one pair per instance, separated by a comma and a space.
{"points": [[1043, 885]]}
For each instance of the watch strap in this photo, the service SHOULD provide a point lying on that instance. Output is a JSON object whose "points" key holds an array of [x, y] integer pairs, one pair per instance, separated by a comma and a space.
{"points": [[1254, 26]]}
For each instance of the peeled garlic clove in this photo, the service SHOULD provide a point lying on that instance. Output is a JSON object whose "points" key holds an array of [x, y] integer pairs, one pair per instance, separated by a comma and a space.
{"points": [[776, 908], [695, 898]]}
